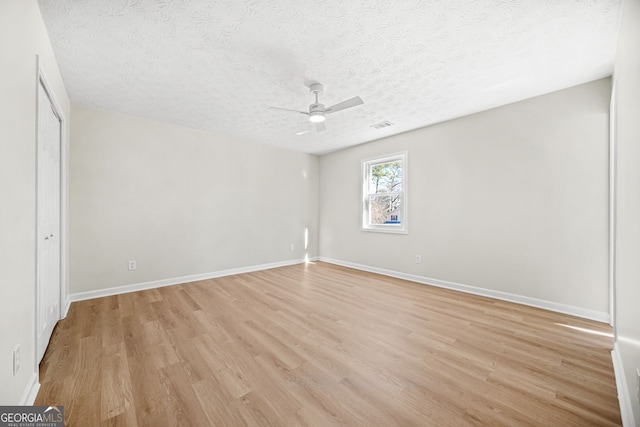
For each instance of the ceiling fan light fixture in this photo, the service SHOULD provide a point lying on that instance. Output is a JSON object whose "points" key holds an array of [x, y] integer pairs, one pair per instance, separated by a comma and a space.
{"points": [[316, 117]]}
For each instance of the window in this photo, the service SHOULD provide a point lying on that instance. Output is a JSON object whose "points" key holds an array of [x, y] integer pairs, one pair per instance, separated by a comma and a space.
{"points": [[384, 198]]}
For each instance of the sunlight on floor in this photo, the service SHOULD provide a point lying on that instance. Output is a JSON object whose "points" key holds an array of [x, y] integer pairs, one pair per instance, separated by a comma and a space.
{"points": [[589, 331]]}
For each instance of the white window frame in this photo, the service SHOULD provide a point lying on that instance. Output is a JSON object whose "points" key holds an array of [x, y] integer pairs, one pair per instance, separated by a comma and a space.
{"points": [[401, 228]]}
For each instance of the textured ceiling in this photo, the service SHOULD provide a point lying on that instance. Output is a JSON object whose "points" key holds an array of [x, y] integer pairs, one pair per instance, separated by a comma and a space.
{"points": [[218, 65]]}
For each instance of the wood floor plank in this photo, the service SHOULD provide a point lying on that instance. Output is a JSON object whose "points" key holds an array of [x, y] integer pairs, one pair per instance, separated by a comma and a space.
{"points": [[220, 407], [180, 399], [124, 419], [116, 396], [320, 345]]}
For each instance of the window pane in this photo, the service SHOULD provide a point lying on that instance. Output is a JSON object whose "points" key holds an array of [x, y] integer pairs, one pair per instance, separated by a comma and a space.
{"points": [[385, 177], [385, 210], [385, 199]]}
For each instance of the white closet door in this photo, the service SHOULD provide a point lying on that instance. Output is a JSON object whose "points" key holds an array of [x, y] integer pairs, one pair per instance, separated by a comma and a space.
{"points": [[48, 216]]}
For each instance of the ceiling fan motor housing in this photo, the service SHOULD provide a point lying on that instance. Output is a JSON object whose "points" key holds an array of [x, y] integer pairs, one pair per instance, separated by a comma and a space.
{"points": [[316, 108]]}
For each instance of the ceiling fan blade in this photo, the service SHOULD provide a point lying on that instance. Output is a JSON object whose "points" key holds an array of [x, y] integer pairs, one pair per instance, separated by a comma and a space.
{"points": [[344, 105], [321, 127], [289, 109]]}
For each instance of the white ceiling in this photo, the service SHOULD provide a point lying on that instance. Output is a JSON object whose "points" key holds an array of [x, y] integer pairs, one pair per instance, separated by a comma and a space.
{"points": [[218, 65]]}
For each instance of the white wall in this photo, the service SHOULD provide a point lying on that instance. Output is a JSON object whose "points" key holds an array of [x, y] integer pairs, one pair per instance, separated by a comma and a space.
{"points": [[22, 37], [512, 200], [180, 202], [627, 82]]}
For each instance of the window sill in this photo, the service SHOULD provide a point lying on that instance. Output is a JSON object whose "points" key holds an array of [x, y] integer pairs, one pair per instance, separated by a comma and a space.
{"points": [[387, 230]]}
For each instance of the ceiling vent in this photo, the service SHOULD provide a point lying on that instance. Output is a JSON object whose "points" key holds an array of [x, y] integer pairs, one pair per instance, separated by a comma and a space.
{"points": [[381, 125]]}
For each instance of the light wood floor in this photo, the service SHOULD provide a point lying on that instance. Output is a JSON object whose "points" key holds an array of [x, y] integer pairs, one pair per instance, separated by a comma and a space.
{"points": [[322, 345]]}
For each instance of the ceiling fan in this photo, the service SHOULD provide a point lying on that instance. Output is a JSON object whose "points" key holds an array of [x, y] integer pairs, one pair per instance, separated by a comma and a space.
{"points": [[317, 111]]}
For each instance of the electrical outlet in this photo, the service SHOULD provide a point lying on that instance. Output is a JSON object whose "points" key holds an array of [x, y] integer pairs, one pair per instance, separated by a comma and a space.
{"points": [[418, 259], [132, 265], [292, 247], [16, 360]]}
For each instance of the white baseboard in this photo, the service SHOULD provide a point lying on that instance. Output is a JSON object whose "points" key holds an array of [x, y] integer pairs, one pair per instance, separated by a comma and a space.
{"points": [[31, 391], [505, 296], [626, 412], [81, 296], [534, 302]]}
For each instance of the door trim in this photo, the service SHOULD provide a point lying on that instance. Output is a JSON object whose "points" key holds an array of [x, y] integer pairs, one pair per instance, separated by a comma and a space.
{"points": [[41, 79], [612, 209]]}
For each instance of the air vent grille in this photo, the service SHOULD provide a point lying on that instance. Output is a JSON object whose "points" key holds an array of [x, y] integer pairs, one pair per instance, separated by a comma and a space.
{"points": [[382, 125]]}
